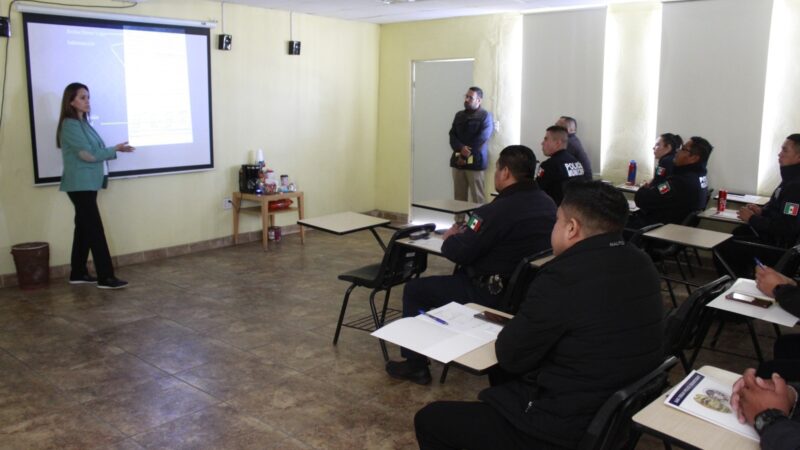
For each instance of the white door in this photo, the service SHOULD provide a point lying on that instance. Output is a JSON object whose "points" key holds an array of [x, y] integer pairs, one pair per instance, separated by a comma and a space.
{"points": [[437, 91]]}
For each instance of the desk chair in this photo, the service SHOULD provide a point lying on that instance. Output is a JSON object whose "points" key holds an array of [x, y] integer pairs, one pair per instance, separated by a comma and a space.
{"points": [[400, 264], [611, 427], [686, 327]]}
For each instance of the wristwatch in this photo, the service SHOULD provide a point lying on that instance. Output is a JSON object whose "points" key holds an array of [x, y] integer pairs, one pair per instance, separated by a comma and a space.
{"points": [[767, 417]]}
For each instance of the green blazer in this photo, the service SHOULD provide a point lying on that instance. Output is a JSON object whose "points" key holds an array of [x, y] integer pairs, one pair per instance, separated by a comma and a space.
{"points": [[84, 154]]}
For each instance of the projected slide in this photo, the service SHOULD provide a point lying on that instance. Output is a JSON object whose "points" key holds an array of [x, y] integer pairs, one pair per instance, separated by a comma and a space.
{"points": [[149, 85]]}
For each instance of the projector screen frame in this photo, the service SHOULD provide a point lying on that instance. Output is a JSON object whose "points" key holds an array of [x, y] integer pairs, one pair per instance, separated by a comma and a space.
{"points": [[121, 22]]}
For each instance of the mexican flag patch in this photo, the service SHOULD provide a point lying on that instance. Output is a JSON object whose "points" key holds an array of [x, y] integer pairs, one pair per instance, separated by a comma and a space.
{"points": [[791, 209], [474, 222], [540, 172], [661, 171], [663, 188]]}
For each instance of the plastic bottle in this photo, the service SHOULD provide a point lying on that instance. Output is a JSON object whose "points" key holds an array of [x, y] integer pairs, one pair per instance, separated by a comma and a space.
{"points": [[722, 200], [632, 173]]}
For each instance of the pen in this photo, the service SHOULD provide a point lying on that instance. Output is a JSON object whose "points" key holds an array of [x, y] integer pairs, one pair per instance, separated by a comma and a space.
{"points": [[759, 263], [422, 311]]}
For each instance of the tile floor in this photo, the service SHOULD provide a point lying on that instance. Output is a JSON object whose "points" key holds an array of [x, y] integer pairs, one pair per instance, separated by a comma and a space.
{"points": [[224, 349]]}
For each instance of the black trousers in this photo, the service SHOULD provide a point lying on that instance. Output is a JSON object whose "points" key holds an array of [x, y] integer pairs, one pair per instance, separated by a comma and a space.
{"points": [[89, 235], [786, 362], [740, 256], [433, 292], [469, 425]]}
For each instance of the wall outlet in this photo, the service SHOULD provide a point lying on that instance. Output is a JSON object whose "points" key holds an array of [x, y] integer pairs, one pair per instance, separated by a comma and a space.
{"points": [[227, 203]]}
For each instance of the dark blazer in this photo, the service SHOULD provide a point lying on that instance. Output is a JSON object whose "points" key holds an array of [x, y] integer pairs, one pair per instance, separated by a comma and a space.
{"points": [[591, 324], [473, 129]]}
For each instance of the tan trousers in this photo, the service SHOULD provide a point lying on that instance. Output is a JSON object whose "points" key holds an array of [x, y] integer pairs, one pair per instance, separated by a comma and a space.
{"points": [[467, 182]]}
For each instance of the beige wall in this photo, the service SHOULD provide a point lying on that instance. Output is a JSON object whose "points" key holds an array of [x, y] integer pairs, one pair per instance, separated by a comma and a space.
{"points": [[314, 115], [495, 42]]}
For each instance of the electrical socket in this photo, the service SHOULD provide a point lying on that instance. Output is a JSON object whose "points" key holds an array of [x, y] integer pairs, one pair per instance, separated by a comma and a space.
{"points": [[5, 27], [227, 203]]}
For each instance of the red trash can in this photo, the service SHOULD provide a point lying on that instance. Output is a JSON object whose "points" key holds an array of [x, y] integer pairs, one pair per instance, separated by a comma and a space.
{"points": [[32, 260]]}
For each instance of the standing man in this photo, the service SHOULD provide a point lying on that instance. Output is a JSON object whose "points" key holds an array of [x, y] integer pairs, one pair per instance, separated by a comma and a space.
{"points": [[591, 324], [469, 137], [561, 167], [516, 224], [574, 145]]}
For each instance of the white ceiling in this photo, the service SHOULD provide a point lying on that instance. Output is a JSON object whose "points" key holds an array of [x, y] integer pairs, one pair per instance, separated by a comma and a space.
{"points": [[389, 11]]}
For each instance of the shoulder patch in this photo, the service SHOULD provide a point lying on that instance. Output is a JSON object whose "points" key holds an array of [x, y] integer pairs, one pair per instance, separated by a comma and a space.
{"points": [[540, 172], [703, 181], [474, 222], [574, 169], [791, 209], [664, 187], [661, 171]]}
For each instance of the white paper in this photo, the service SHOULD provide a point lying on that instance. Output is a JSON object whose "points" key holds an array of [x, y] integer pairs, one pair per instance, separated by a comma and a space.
{"points": [[774, 313], [430, 244], [728, 214], [708, 399], [632, 206], [627, 187], [444, 343], [747, 198]]}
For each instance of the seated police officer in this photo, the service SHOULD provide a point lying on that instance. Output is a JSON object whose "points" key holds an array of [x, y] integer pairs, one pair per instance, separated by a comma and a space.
{"points": [[517, 223], [775, 224], [770, 405], [590, 325], [560, 167], [681, 193]]}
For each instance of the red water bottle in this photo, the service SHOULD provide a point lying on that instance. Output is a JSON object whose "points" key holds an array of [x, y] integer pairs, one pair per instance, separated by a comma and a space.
{"points": [[722, 200], [631, 173]]}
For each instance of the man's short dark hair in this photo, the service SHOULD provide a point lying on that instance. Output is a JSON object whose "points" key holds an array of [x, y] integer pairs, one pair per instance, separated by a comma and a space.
{"points": [[795, 138], [701, 148], [571, 121], [559, 132], [520, 161], [600, 207], [477, 90]]}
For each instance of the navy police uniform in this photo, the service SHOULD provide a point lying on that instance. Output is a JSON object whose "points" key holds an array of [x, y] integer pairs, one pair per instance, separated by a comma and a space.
{"points": [[575, 148], [591, 324], [516, 224], [556, 171], [664, 168], [671, 200]]}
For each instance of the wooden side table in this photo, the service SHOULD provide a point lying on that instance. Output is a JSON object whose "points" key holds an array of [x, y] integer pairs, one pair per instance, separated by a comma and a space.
{"points": [[267, 216]]}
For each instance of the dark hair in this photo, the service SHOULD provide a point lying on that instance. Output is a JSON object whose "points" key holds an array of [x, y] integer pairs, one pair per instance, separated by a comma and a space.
{"points": [[675, 141], [571, 121], [701, 148], [558, 131], [67, 111], [520, 161], [795, 138], [601, 207], [477, 90]]}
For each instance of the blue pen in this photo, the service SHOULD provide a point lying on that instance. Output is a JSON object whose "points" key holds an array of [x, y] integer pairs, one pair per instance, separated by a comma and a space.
{"points": [[422, 311], [759, 263]]}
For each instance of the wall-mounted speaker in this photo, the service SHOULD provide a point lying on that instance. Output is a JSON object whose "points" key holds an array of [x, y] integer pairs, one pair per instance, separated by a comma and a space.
{"points": [[294, 47], [225, 41]]}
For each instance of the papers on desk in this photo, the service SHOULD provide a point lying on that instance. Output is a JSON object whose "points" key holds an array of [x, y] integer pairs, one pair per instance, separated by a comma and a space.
{"points": [[710, 400], [774, 313], [444, 343], [632, 206], [727, 214], [627, 187], [746, 198], [431, 244]]}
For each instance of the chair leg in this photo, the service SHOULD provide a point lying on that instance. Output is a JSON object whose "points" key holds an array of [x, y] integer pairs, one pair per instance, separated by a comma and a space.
{"points": [[671, 293], [385, 306], [688, 262], [777, 329], [754, 337], [444, 373], [341, 314], [697, 257], [378, 324]]}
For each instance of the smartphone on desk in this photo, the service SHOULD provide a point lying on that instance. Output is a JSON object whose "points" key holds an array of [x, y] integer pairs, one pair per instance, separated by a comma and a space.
{"points": [[749, 299], [492, 317]]}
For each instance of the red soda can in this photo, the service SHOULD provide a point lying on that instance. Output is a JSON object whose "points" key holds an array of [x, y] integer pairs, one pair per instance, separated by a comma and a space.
{"points": [[722, 200]]}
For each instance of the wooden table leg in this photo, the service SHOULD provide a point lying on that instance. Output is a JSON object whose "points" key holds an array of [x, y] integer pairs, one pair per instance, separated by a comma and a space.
{"points": [[264, 224], [301, 214], [236, 200]]}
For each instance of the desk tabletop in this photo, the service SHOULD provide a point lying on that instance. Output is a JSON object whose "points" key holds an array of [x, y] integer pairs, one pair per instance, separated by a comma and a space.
{"points": [[729, 215], [692, 237], [627, 187], [431, 244], [745, 198], [684, 427], [447, 205], [482, 357], [774, 313], [344, 223]]}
